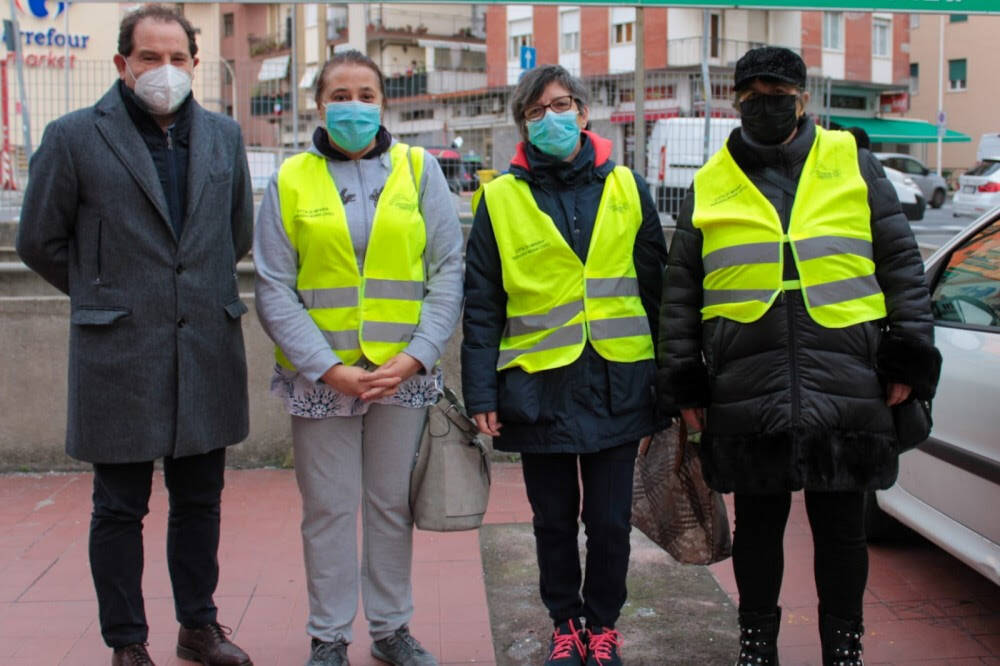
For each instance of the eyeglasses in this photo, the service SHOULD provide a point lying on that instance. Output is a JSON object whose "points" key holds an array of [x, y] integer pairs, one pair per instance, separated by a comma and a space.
{"points": [[559, 105]]}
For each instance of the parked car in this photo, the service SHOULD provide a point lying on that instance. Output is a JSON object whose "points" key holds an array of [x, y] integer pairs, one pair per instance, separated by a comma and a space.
{"points": [[910, 197], [978, 189], [458, 171], [949, 487], [932, 186]]}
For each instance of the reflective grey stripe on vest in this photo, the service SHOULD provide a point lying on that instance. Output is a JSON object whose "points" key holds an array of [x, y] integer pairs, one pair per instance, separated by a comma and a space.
{"points": [[622, 327], [723, 296], [554, 318], [842, 290], [342, 339], [739, 255], [400, 290], [563, 337], [825, 246], [337, 297], [383, 331], [607, 287]]}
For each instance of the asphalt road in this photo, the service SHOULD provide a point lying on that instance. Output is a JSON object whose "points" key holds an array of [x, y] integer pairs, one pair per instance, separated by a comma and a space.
{"points": [[937, 227]]}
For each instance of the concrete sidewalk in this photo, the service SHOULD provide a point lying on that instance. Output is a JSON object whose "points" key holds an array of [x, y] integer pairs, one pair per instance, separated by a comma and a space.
{"points": [[922, 606]]}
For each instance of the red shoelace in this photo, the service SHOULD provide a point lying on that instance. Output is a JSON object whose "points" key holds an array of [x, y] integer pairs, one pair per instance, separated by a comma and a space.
{"points": [[601, 644], [563, 645]]}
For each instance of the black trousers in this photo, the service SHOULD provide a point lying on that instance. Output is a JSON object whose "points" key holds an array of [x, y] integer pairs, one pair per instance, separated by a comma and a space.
{"points": [[553, 482], [840, 560], [121, 500]]}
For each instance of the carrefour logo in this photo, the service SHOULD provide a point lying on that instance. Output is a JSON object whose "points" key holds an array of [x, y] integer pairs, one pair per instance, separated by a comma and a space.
{"points": [[38, 8]]}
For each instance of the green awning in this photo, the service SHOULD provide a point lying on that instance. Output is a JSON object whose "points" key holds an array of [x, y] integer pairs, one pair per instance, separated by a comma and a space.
{"points": [[884, 130]]}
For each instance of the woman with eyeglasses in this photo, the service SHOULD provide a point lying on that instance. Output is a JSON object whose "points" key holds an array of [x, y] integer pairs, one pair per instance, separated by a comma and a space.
{"points": [[563, 272], [358, 254]]}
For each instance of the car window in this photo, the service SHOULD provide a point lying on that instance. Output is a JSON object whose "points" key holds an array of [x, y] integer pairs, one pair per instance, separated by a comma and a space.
{"points": [[891, 162], [912, 166], [984, 168], [968, 292]]}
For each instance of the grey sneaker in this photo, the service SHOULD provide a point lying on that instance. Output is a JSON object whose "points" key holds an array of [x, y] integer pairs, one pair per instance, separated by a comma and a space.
{"points": [[402, 649], [328, 654]]}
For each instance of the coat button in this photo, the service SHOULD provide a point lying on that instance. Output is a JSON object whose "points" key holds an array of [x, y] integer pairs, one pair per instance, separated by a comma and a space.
{"points": [[180, 268], [182, 322]]}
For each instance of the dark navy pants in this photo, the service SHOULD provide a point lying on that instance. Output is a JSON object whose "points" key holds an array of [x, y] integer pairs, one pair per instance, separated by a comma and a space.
{"points": [[554, 482], [121, 501]]}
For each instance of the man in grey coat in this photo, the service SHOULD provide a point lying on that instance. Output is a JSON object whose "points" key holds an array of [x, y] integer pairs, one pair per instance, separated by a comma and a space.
{"points": [[138, 208]]}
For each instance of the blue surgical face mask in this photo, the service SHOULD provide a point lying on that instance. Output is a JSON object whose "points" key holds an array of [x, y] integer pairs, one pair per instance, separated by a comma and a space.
{"points": [[555, 134], [352, 125]]}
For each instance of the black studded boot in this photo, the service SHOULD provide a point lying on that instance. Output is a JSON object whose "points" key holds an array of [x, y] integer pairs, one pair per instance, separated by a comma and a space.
{"points": [[841, 640], [759, 638]]}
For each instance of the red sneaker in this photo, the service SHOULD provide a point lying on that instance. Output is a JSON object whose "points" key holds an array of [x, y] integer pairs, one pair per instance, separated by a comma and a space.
{"points": [[566, 647], [602, 649]]}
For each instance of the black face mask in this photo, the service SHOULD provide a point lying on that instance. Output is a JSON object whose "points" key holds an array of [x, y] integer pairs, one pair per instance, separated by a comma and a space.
{"points": [[769, 119]]}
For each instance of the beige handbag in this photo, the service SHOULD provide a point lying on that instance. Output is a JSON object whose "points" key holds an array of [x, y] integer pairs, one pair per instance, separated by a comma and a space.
{"points": [[450, 481], [672, 504]]}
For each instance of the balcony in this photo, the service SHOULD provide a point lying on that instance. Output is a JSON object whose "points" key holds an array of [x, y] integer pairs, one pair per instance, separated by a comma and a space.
{"points": [[433, 83], [724, 52]]}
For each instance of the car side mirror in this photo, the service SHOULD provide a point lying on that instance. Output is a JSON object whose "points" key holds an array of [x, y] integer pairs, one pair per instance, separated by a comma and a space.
{"points": [[926, 171]]}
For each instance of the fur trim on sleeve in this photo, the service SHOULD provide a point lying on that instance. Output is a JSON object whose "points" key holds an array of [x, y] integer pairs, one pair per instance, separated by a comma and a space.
{"points": [[686, 385], [910, 362]]}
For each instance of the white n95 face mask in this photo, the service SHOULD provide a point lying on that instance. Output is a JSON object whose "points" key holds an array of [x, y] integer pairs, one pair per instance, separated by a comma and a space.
{"points": [[163, 89]]}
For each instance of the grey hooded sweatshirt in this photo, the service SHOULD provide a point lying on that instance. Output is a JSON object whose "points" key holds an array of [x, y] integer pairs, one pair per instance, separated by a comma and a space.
{"points": [[359, 182]]}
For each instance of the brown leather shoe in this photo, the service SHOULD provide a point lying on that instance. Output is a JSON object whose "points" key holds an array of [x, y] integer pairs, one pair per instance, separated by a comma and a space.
{"points": [[132, 655], [210, 646]]}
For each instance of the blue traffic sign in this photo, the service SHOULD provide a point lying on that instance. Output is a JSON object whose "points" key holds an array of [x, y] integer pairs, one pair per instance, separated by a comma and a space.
{"points": [[527, 57]]}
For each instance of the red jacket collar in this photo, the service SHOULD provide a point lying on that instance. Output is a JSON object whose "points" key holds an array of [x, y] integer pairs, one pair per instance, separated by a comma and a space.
{"points": [[602, 151]]}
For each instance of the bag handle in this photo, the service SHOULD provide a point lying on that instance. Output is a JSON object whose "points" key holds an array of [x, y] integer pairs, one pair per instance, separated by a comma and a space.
{"points": [[682, 442]]}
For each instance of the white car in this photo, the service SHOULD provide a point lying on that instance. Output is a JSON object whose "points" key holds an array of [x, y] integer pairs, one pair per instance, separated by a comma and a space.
{"points": [[978, 189], [909, 194], [949, 487]]}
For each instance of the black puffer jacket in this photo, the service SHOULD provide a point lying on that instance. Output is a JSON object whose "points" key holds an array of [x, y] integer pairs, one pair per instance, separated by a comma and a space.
{"points": [[792, 404], [591, 404]]}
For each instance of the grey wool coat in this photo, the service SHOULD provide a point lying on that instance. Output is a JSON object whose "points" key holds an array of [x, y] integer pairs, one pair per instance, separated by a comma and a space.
{"points": [[156, 358]]}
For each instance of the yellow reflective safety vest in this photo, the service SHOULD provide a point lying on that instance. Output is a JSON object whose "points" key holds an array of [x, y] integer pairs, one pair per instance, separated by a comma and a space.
{"points": [[375, 311], [829, 232], [555, 302]]}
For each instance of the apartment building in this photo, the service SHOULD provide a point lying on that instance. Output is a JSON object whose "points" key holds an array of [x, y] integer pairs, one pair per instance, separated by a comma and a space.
{"points": [[275, 51], [858, 62], [970, 93]]}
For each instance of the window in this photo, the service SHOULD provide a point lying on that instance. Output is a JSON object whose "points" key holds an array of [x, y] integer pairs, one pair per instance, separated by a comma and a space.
{"points": [[520, 35], [958, 18], [622, 33], [968, 292], [622, 25], [715, 30], [956, 74], [881, 40], [569, 31], [417, 114], [914, 78], [228, 25], [833, 31], [914, 21]]}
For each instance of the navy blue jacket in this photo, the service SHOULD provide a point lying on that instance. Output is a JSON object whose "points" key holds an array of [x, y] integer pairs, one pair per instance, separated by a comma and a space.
{"points": [[591, 404]]}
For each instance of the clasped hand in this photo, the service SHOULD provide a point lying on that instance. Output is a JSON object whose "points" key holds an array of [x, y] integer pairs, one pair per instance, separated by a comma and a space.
{"points": [[381, 382]]}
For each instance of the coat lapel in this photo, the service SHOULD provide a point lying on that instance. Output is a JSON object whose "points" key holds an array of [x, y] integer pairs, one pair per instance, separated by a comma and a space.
{"points": [[123, 137], [201, 146]]}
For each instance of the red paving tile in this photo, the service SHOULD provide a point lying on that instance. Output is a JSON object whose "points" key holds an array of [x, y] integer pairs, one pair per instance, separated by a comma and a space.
{"points": [[921, 606]]}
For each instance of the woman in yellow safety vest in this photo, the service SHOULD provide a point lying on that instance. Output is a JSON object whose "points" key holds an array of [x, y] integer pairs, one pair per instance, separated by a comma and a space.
{"points": [[795, 323], [357, 249], [563, 271]]}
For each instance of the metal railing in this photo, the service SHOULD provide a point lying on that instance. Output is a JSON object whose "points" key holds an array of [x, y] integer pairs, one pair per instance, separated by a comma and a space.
{"points": [[427, 108]]}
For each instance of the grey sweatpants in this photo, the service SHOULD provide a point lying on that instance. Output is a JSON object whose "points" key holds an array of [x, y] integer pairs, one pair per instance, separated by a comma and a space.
{"points": [[340, 461]]}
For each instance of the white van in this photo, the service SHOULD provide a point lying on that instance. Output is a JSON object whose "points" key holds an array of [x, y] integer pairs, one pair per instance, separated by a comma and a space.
{"points": [[989, 147], [675, 151]]}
